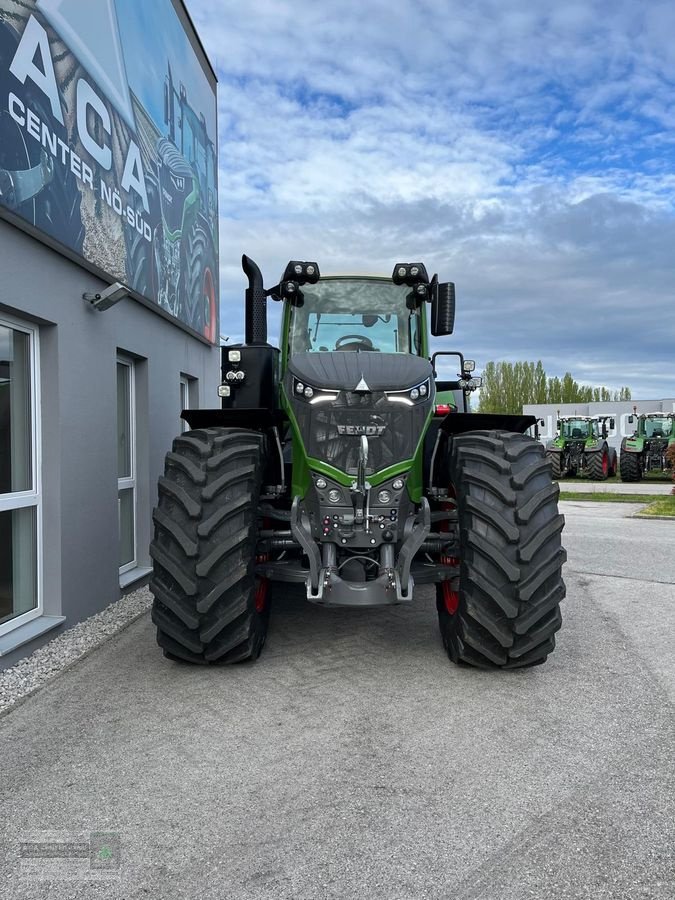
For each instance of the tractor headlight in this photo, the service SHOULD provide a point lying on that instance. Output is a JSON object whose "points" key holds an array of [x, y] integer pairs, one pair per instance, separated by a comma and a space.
{"points": [[234, 356], [304, 391], [417, 394], [420, 392]]}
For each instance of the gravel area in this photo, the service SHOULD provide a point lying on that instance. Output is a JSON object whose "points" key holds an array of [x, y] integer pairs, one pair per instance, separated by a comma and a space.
{"points": [[27, 676]]}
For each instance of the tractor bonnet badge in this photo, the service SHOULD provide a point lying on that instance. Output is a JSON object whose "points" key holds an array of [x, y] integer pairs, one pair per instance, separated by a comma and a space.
{"points": [[374, 428]]}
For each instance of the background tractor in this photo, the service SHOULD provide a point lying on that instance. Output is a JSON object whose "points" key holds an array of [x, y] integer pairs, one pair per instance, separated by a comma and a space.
{"points": [[646, 449], [580, 448], [331, 465]]}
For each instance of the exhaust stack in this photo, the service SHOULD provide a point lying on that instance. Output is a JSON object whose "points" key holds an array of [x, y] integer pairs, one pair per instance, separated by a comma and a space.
{"points": [[256, 303]]}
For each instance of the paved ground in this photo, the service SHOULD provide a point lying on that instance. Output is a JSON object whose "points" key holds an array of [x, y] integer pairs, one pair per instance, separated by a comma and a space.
{"points": [[354, 761]]}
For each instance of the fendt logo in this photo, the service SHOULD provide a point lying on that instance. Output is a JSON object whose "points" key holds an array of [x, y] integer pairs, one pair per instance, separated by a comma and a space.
{"points": [[178, 182], [368, 430]]}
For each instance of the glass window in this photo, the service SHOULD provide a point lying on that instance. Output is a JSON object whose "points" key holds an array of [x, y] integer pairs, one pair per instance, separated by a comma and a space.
{"points": [[126, 464], [15, 411], [19, 496], [123, 420], [354, 314], [18, 569]]}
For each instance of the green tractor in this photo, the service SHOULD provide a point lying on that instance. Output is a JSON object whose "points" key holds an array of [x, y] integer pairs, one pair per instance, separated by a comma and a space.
{"points": [[330, 464], [645, 450], [580, 448]]}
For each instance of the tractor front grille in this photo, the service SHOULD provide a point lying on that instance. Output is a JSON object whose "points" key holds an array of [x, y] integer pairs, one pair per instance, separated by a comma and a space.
{"points": [[332, 432]]}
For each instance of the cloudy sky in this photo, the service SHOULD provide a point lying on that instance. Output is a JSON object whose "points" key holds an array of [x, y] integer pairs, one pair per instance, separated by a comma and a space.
{"points": [[524, 151]]}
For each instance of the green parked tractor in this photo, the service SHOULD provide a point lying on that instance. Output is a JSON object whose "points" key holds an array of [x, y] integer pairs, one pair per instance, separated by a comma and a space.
{"points": [[645, 450], [332, 464], [580, 448]]}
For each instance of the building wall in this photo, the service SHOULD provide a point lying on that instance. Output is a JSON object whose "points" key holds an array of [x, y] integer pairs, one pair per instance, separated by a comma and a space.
{"points": [[620, 410], [78, 418]]}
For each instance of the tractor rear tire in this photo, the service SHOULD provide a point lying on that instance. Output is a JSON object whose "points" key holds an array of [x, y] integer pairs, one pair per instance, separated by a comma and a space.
{"points": [[209, 606], [629, 466], [200, 282], [613, 462], [505, 609], [556, 464], [598, 465]]}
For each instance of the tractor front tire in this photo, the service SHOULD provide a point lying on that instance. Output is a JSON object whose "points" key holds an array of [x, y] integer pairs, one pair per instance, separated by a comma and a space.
{"points": [[629, 467], [556, 464], [598, 465], [505, 609], [209, 606]]}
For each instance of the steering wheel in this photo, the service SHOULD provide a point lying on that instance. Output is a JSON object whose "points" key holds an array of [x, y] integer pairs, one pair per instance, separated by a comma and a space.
{"points": [[358, 339]]}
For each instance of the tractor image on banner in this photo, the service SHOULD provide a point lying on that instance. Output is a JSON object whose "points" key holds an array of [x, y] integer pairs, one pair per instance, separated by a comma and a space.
{"points": [[646, 450], [580, 448], [332, 465]]}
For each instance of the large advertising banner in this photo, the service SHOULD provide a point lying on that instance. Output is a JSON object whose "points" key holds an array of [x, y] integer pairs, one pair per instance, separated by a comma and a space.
{"points": [[108, 144]]}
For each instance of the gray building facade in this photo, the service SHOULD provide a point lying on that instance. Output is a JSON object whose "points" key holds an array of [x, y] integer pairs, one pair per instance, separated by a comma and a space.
{"points": [[106, 177]]}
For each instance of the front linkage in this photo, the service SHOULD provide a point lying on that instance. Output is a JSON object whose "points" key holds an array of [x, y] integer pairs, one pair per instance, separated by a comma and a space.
{"points": [[331, 465]]}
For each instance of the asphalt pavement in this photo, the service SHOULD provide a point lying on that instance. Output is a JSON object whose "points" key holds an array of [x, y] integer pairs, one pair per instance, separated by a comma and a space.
{"points": [[355, 761]]}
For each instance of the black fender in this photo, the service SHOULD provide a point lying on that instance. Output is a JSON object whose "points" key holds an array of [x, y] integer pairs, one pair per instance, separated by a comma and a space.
{"points": [[458, 423], [254, 419]]}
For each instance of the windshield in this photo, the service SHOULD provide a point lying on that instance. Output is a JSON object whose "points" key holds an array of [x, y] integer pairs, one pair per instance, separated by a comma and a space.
{"points": [[658, 427], [578, 428], [355, 314]]}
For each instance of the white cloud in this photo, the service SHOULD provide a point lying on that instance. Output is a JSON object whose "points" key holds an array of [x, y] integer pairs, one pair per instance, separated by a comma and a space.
{"points": [[526, 152]]}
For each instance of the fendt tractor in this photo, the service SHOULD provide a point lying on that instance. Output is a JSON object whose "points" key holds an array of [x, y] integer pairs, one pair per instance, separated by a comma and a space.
{"points": [[580, 448], [331, 464], [645, 450]]}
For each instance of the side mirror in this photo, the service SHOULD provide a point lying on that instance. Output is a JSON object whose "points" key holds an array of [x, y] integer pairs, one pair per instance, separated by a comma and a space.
{"points": [[611, 423], [442, 308], [630, 420]]}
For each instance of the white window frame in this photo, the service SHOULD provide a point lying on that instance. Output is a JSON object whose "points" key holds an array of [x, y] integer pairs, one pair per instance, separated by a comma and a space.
{"points": [[184, 393], [33, 497], [129, 481]]}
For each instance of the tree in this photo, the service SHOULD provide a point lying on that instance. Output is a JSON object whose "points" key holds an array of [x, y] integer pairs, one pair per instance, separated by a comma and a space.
{"points": [[507, 387]]}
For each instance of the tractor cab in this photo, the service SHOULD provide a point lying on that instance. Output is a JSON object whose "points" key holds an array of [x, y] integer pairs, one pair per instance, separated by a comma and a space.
{"points": [[355, 314], [651, 426], [579, 429]]}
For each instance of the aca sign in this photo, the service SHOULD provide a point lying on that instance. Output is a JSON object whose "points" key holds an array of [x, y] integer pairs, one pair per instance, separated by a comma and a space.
{"points": [[108, 145]]}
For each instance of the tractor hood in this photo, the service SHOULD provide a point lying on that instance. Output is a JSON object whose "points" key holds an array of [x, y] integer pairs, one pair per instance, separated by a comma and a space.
{"points": [[364, 394], [353, 370]]}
